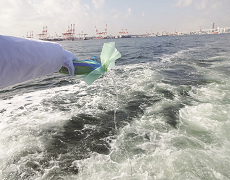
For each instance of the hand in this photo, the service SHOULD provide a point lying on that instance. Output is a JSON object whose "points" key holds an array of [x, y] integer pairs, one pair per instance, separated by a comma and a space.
{"points": [[68, 61]]}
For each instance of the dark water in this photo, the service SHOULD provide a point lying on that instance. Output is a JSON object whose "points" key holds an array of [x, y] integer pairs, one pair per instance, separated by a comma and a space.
{"points": [[170, 103]]}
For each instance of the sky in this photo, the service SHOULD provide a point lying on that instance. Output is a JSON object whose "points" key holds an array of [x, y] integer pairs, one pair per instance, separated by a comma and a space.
{"points": [[17, 17]]}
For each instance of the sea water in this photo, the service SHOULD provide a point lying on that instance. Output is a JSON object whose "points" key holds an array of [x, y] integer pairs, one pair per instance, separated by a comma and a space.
{"points": [[171, 110]]}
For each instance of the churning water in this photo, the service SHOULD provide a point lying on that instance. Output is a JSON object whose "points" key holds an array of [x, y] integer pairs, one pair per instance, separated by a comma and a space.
{"points": [[170, 108]]}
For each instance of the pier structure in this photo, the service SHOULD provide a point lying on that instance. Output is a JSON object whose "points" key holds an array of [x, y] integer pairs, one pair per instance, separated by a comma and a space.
{"points": [[102, 34], [31, 35], [44, 34], [124, 33], [70, 33]]}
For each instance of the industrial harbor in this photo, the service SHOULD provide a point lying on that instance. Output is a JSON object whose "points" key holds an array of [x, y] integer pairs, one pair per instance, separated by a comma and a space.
{"points": [[71, 35]]}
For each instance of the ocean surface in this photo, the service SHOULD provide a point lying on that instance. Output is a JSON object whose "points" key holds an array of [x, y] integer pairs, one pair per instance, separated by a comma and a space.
{"points": [[162, 113]]}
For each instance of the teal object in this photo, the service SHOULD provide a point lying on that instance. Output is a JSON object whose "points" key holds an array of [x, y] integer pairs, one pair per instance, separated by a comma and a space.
{"points": [[90, 70]]}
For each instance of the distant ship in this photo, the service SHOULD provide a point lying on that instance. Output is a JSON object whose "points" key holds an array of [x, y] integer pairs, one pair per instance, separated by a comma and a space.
{"points": [[125, 36]]}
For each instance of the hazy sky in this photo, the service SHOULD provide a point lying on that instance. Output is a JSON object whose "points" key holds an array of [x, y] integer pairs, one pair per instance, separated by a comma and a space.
{"points": [[17, 17]]}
